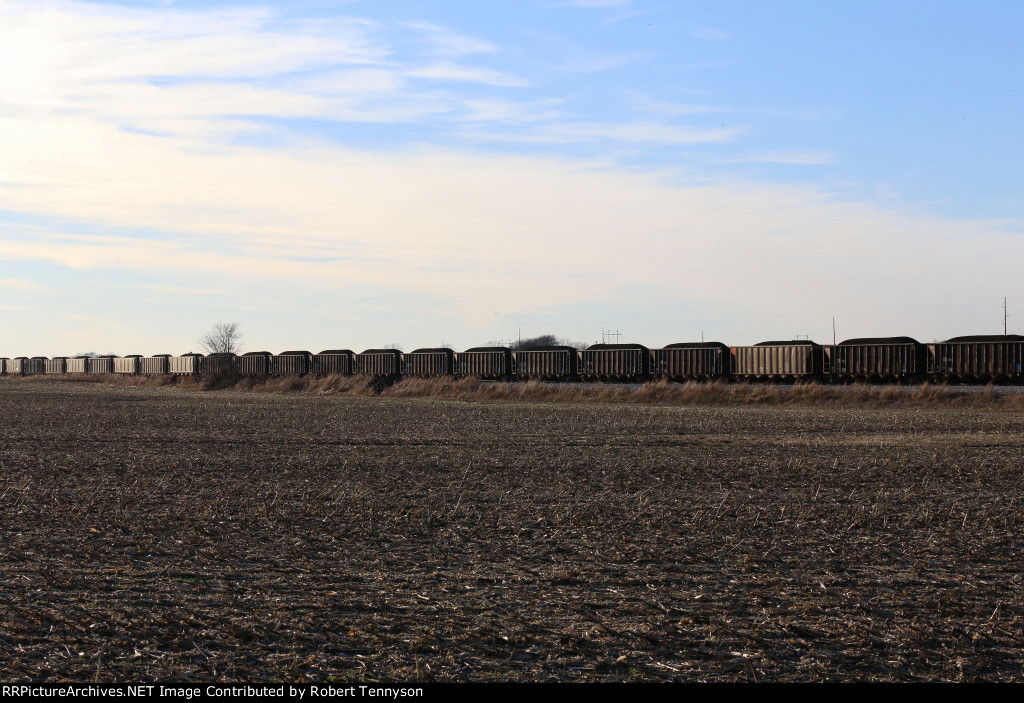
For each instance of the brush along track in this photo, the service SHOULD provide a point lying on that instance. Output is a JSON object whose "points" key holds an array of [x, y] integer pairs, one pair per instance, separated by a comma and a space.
{"points": [[656, 393]]}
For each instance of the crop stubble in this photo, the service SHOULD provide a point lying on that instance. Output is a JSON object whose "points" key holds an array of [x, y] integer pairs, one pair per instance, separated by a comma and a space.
{"points": [[168, 534]]}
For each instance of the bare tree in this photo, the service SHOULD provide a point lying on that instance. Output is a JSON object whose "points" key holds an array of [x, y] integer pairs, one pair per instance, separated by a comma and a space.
{"points": [[223, 338], [544, 340]]}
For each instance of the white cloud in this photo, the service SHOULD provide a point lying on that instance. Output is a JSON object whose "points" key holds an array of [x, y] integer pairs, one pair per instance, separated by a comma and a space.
{"points": [[506, 111], [19, 284], [446, 42], [470, 229], [636, 132], [455, 72]]}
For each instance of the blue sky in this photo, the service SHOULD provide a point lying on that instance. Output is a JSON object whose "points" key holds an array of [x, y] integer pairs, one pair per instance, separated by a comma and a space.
{"points": [[350, 174]]}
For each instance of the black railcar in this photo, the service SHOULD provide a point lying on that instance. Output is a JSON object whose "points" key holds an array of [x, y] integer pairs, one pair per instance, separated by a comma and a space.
{"points": [[333, 361], [553, 363], [379, 362], [978, 359], [615, 362], [487, 363], [790, 361], [875, 359], [691, 361], [429, 362]]}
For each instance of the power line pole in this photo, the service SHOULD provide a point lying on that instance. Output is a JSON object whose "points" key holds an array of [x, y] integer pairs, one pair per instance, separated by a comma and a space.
{"points": [[607, 334], [833, 330], [1004, 316]]}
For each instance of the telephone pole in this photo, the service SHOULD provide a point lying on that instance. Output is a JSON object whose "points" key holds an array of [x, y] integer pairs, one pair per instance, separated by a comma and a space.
{"points": [[1004, 316]]}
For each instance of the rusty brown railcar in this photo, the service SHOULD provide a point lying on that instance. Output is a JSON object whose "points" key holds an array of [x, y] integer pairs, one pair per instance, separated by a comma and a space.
{"points": [[554, 363], [78, 364], [290, 362], [778, 361], [154, 365], [184, 365], [127, 364], [333, 361], [875, 359], [978, 359], [57, 364], [488, 363], [691, 361], [429, 362], [379, 362], [615, 362], [253, 363]]}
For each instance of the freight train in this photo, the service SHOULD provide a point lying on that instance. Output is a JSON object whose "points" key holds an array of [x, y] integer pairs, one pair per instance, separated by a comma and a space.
{"points": [[977, 359]]}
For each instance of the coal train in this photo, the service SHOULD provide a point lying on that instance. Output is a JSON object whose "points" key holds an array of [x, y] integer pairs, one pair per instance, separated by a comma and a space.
{"points": [[972, 359]]}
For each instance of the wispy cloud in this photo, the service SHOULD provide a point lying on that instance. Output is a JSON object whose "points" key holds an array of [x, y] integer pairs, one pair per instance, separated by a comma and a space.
{"points": [[19, 284], [509, 112], [636, 132], [455, 72], [445, 41]]}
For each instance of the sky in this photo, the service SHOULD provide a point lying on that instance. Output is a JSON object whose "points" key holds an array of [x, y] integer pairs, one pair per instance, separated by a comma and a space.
{"points": [[333, 174]]}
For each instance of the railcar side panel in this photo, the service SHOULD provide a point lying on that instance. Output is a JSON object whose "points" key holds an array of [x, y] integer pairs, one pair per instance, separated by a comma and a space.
{"points": [[253, 364], [287, 364], [126, 364], [217, 364], [977, 360], [153, 365], [433, 363], [102, 364], [618, 364], [55, 365], [876, 361], [34, 366], [77, 365], [326, 363], [378, 363], [686, 363], [559, 365], [798, 361], [492, 364], [187, 365]]}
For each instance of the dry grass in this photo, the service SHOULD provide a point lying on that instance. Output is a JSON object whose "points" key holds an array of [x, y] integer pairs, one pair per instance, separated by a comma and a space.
{"points": [[655, 393]]}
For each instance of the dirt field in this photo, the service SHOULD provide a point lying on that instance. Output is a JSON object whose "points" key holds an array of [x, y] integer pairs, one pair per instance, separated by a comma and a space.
{"points": [[156, 533]]}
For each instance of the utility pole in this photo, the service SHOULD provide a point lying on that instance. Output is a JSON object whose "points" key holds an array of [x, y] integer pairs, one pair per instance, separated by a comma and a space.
{"points": [[1004, 316], [833, 330]]}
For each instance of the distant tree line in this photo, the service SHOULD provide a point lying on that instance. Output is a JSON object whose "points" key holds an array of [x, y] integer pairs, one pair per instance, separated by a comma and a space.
{"points": [[544, 340]]}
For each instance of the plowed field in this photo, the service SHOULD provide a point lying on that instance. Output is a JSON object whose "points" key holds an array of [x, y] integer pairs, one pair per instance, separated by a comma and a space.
{"points": [[155, 533]]}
